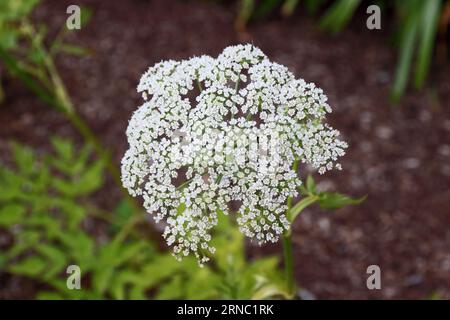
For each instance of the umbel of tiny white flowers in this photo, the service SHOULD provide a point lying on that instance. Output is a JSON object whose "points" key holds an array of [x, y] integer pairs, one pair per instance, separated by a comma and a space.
{"points": [[237, 141]]}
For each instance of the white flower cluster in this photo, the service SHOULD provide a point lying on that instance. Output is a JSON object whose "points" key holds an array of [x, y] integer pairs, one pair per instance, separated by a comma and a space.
{"points": [[231, 128]]}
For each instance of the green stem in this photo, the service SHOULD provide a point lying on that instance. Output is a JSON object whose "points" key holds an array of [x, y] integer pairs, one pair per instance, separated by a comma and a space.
{"points": [[289, 264], [287, 248]]}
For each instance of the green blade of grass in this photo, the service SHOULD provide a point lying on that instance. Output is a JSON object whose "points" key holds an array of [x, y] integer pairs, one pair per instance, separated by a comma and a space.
{"points": [[265, 7], [15, 69], [429, 22], [245, 12], [407, 43], [338, 15], [313, 5], [289, 7]]}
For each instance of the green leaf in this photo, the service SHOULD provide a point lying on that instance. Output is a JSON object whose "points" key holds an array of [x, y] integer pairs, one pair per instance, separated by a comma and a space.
{"points": [[407, 44], [162, 267], [289, 7], [171, 290], [127, 253], [27, 239], [80, 247], [45, 222], [137, 292], [86, 14], [72, 165], [229, 243], [300, 206], [333, 200], [270, 291], [123, 211], [11, 214], [74, 213], [10, 184], [245, 12], [63, 148], [46, 295], [338, 15], [32, 266], [82, 160], [72, 49], [56, 259], [8, 38], [24, 158], [14, 9], [118, 285], [19, 8], [311, 185], [35, 53], [429, 23], [202, 284], [265, 7], [108, 255], [101, 279], [13, 66], [312, 6], [89, 181]]}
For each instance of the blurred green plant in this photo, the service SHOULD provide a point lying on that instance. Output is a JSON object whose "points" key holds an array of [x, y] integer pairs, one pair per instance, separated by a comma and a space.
{"points": [[240, 278], [417, 24], [417, 34], [28, 55], [434, 296], [10, 12], [45, 206]]}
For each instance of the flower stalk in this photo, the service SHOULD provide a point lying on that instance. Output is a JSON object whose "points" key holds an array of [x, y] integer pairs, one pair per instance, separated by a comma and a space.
{"points": [[289, 264], [287, 246]]}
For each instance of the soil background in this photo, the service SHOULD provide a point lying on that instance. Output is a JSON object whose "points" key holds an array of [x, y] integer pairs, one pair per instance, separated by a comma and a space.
{"points": [[398, 156]]}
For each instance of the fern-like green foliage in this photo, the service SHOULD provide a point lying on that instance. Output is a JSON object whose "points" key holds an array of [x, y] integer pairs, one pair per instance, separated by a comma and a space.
{"points": [[45, 204]]}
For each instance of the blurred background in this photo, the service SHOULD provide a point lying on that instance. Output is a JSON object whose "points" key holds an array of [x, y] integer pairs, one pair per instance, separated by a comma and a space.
{"points": [[66, 97]]}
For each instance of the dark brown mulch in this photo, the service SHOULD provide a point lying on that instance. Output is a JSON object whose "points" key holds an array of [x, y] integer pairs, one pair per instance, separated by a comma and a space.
{"points": [[399, 157]]}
